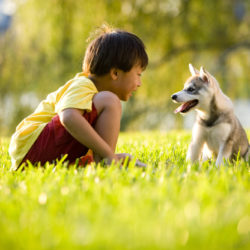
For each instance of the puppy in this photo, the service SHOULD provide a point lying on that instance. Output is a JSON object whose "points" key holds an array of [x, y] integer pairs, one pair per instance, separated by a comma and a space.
{"points": [[216, 128]]}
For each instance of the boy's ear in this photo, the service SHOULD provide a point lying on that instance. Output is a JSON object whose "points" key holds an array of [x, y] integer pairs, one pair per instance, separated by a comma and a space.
{"points": [[114, 73]]}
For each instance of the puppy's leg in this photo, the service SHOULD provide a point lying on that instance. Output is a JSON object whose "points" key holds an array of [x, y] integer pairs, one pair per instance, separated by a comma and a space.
{"points": [[225, 152], [206, 153], [196, 146], [194, 151]]}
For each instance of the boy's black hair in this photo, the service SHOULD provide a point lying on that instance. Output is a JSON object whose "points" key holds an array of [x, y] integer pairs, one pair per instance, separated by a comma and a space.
{"points": [[114, 49]]}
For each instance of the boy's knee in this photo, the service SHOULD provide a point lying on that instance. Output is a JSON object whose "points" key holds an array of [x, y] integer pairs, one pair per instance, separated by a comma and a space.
{"points": [[107, 100]]}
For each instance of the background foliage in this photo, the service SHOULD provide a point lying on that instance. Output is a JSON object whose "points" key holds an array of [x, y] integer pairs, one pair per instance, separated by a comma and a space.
{"points": [[45, 44]]}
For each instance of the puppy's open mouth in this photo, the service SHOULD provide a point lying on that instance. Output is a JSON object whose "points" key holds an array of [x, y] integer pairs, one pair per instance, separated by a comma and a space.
{"points": [[186, 106]]}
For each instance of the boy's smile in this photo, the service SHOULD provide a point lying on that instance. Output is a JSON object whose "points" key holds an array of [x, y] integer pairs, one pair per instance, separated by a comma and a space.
{"points": [[127, 82]]}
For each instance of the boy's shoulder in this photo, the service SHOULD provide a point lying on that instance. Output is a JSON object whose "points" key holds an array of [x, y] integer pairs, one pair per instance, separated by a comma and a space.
{"points": [[76, 86], [80, 81]]}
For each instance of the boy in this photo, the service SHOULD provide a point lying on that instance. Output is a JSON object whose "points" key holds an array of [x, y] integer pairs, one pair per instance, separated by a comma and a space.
{"points": [[84, 115]]}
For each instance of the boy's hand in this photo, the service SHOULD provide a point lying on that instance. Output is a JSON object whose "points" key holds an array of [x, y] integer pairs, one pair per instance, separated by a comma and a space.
{"points": [[130, 157], [140, 164]]}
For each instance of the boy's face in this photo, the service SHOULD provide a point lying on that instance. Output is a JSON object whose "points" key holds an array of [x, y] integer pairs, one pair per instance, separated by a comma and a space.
{"points": [[128, 82]]}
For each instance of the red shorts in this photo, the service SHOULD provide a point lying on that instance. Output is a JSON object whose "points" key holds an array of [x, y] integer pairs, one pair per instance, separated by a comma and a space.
{"points": [[55, 141]]}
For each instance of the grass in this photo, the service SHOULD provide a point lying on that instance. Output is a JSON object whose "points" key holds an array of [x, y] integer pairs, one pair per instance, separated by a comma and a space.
{"points": [[165, 206]]}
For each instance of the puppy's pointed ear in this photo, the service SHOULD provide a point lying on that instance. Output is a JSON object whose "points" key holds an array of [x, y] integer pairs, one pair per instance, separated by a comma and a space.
{"points": [[193, 70], [203, 75]]}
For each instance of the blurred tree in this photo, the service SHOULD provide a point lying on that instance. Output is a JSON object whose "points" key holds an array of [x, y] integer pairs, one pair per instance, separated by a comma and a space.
{"points": [[45, 46]]}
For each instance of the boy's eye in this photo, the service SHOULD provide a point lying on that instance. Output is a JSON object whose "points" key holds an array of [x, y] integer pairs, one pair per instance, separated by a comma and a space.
{"points": [[190, 89]]}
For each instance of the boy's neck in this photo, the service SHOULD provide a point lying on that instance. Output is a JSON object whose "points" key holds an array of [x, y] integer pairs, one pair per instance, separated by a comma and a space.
{"points": [[102, 83]]}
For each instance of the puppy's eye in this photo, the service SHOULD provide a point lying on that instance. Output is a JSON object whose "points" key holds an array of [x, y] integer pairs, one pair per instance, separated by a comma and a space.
{"points": [[190, 89]]}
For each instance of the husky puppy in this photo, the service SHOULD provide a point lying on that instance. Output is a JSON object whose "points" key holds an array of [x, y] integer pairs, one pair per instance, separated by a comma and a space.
{"points": [[216, 127]]}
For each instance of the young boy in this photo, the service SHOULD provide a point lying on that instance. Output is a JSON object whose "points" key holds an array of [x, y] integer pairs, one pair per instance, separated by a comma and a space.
{"points": [[84, 115]]}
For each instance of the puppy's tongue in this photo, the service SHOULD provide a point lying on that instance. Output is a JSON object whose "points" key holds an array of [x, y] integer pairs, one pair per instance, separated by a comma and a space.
{"points": [[186, 106], [181, 108]]}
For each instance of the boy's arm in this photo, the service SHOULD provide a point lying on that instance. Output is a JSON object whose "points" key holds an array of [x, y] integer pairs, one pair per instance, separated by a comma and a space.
{"points": [[74, 122]]}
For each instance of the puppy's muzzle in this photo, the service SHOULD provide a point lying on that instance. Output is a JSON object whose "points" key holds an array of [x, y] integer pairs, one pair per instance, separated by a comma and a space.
{"points": [[174, 97]]}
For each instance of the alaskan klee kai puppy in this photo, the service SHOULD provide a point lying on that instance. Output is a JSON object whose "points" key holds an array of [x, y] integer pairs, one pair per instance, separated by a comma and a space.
{"points": [[216, 128]]}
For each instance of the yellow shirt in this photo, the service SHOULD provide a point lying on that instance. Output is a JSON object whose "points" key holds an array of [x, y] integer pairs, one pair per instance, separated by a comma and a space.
{"points": [[76, 93]]}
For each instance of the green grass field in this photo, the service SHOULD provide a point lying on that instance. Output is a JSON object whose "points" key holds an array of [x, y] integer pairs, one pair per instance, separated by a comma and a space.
{"points": [[165, 206]]}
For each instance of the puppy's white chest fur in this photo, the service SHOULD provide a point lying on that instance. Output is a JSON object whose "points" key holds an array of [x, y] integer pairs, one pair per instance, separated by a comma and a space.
{"points": [[215, 136]]}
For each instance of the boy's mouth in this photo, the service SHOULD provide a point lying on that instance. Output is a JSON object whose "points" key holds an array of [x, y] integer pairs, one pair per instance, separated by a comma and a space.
{"points": [[186, 106], [133, 92]]}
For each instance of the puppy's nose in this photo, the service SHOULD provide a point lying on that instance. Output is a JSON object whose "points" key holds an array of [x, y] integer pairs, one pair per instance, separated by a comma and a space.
{"points": [[174, 97]]}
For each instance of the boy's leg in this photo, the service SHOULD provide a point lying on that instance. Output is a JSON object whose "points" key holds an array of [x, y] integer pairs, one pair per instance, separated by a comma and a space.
{"points": [[109, 111], [107, 125]]}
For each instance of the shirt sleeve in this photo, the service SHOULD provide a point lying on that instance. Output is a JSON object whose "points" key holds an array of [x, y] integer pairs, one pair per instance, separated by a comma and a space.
{"points": [[78, 95]]}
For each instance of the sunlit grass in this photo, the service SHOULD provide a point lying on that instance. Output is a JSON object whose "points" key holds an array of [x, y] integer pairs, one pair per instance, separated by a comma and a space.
{"points": [[165, 206]]}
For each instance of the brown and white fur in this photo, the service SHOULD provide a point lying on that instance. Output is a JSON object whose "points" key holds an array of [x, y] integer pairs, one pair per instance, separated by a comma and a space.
{"points": [[216, 127]]}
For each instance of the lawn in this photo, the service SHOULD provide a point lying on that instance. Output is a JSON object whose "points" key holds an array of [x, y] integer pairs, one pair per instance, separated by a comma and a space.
{"points": [[165, 206]]}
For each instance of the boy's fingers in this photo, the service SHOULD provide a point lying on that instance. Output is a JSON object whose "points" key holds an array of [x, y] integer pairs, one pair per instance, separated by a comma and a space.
{"points": [[140, 164], [125, 155]]}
